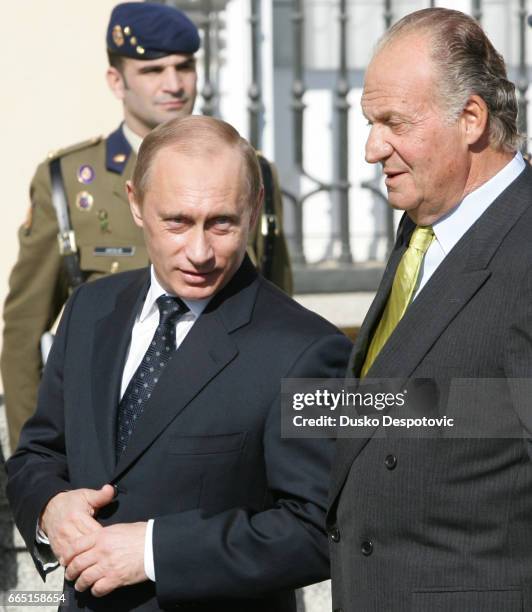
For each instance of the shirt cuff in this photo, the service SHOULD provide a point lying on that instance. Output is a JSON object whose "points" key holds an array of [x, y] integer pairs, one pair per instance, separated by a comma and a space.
{"points": [[40, 536], [149, 567], [44, 552]]}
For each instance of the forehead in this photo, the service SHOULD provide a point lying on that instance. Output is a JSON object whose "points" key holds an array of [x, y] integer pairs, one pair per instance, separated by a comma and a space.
{"points": [[218, 168], [176, 59], [400, 77]]}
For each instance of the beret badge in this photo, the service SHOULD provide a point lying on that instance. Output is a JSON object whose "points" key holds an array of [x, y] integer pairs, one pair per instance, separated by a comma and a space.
{"points": [[118, 35]]}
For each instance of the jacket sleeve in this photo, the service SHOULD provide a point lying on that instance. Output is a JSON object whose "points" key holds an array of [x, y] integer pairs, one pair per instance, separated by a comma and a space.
{"points": [[37, 291], [241, 554], [38, 469]]}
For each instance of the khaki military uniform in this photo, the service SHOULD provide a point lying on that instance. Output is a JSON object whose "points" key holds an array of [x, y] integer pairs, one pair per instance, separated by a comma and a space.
{"points": [[108, 241]]}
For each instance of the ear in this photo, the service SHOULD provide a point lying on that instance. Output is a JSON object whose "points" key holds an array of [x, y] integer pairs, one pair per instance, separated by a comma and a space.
{"points": [[116, 82], [134, 206], [255, 213], [474, 119]]}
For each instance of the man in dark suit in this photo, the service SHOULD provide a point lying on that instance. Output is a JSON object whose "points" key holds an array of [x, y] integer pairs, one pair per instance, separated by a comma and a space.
{"points": [[441, 522], [165, 383], [152, 71]]}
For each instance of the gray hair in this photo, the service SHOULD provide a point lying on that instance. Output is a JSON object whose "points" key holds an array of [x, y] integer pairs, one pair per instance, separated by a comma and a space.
{"points": [[467, 64]]}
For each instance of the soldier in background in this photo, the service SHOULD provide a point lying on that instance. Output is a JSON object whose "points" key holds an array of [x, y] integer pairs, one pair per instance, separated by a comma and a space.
{"points": [[79, 226]]}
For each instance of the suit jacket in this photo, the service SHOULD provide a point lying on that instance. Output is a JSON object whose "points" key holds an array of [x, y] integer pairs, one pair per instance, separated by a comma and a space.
{"points": [[239, 512], [446, 524]]}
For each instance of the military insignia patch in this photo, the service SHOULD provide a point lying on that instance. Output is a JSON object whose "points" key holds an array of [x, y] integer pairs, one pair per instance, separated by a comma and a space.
{"points": [[119, 158], [118, 36], [84, 201], [103, 217], [86, 174]]}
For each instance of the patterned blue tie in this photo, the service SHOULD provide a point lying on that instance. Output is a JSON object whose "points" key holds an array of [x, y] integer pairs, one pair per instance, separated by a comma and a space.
{"points": [[151, 367]]}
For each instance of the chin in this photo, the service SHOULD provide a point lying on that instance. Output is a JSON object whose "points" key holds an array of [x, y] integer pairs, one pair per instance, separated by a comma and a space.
{"points": [[197, 293]]}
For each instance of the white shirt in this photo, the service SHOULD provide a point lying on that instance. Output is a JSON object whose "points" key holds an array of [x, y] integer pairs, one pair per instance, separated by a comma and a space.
{"points": [[134, 139], [451, 227], [142, 333]]}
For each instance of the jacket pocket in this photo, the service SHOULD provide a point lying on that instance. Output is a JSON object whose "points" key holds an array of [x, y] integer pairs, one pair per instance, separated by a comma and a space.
{"points": [[456, 599], [207, 445]]}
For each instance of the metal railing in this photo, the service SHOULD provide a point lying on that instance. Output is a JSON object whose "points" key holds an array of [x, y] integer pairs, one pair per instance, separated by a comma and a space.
{"points": [[339, 249]]}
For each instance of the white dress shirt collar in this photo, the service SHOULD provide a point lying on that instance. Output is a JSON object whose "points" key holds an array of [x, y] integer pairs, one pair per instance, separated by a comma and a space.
{"points": [[450, 228], [156, 290], [134, 139]]}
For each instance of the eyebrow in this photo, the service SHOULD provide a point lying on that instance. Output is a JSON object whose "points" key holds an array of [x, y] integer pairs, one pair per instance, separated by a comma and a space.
{"points": [[183, 216], [188, 63]]}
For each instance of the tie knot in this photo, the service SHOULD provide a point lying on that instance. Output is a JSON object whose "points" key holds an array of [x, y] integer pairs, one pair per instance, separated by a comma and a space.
{"points": [[170, 308], [421, 238]]}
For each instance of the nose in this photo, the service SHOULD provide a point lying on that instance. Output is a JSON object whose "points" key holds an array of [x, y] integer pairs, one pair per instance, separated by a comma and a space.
{"points": [[171, 80], [199, 249], [377, 146]]}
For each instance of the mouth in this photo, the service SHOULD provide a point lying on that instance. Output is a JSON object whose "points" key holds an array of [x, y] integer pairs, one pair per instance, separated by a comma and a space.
{"points": [[173, 104], [392, 176], [197, 278]]}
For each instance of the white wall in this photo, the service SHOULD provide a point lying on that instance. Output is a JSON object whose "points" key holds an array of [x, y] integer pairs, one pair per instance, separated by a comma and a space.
{"points": [[54, 93]]}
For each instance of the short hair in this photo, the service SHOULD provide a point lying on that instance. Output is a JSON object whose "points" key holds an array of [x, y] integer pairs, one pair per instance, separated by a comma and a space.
{"points": [[116, 61], [467, 64], [197, 135]]}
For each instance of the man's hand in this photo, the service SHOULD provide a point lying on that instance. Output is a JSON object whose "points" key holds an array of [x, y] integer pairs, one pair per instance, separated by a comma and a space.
{"points": [[109, 558], [69, 515]]}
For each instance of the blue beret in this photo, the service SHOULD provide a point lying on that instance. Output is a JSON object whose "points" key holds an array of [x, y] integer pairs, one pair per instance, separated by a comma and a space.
{"points": [[146, 30]]}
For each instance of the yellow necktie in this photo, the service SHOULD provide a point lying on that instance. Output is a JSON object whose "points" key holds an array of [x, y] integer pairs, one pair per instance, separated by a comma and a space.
{"points": [[404, 283]]}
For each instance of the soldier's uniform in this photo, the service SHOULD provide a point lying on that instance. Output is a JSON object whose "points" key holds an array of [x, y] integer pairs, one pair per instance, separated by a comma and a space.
{"points": [[94, 175]]}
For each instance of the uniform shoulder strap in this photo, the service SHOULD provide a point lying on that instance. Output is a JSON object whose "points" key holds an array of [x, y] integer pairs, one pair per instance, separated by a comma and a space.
{"points": [[269, 225], [65, 236]]}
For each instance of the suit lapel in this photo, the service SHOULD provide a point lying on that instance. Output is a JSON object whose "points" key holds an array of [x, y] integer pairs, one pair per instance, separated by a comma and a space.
{"points": [[112, 336], [206, 351], [455, 282]]}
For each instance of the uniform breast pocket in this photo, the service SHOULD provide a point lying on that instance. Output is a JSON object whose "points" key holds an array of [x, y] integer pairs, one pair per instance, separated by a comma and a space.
{"points": [[205, 446]]}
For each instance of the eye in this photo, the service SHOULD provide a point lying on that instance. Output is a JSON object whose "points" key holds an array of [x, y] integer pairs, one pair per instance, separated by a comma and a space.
{"points": [[175, 223], [221, 224], [186, 67], [151, 70]]}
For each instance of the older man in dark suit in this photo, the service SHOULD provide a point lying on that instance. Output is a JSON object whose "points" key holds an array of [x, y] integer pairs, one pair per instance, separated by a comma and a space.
{"points": [[444, 523], [165, 383]]}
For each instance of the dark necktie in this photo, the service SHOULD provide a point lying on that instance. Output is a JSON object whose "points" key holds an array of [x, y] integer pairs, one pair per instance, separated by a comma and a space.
{"points": [[151, 367]]}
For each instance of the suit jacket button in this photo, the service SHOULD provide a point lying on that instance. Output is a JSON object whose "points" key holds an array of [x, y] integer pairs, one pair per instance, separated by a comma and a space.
{"points": [[390, 462], [367, 548], [334, 534]]}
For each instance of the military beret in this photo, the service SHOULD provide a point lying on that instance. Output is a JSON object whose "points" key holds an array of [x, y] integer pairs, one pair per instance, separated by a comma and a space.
{"points": [[146, 30]]}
